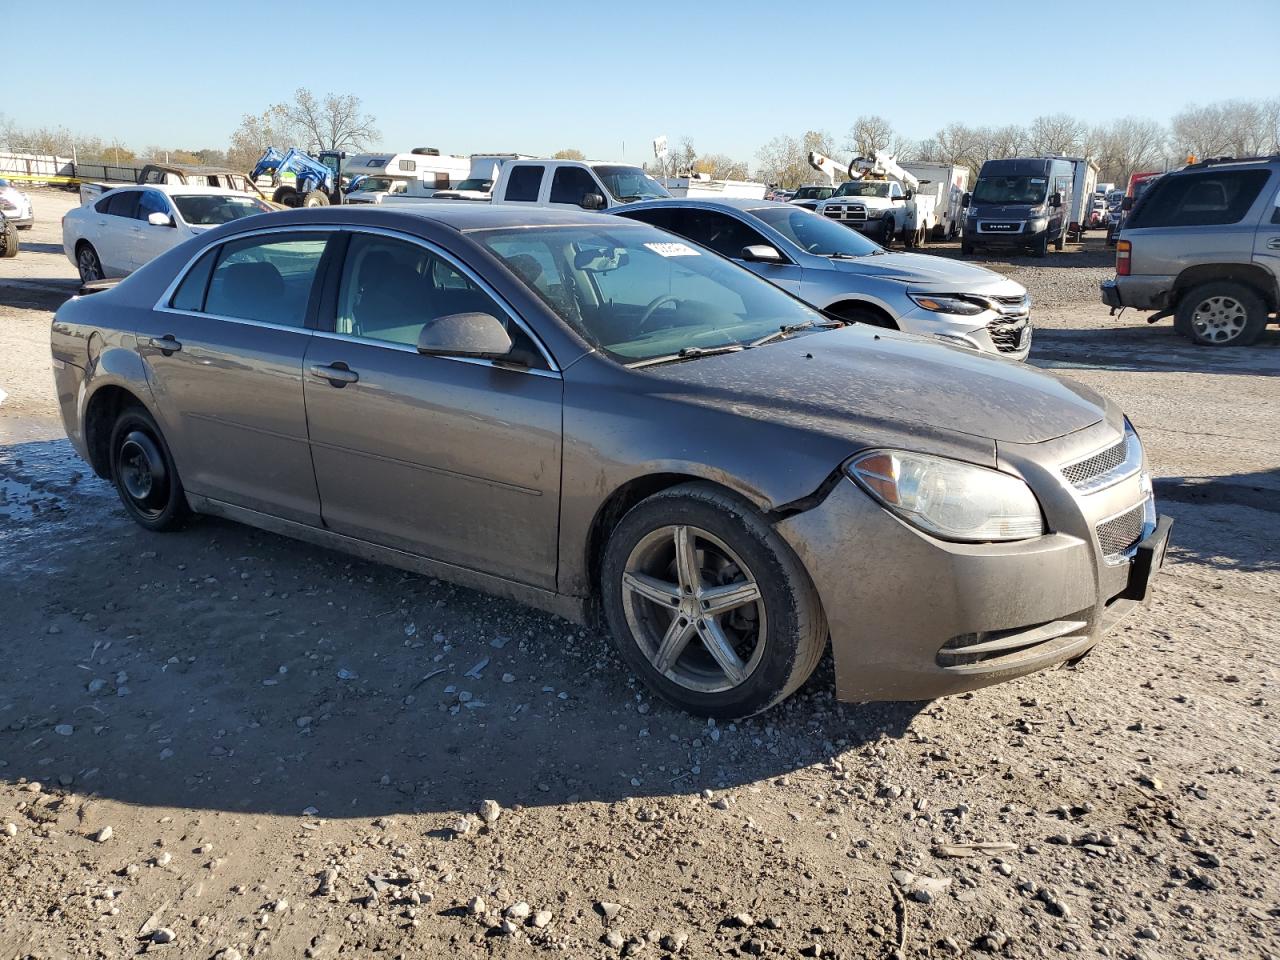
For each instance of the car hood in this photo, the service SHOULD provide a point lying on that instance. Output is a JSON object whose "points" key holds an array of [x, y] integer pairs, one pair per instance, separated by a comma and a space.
{"points": [[937, 273], [838, 380]]}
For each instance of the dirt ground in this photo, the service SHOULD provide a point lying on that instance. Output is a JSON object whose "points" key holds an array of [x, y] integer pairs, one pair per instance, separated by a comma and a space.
{"points": [[245, 746]]}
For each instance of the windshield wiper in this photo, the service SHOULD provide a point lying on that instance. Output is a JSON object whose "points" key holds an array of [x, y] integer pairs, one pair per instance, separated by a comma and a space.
{"points": [[687, 353], [842, 256], [787, 329]]}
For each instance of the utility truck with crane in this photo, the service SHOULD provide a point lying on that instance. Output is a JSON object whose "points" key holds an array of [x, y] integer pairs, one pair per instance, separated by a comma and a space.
{"points": [[880, 199]]}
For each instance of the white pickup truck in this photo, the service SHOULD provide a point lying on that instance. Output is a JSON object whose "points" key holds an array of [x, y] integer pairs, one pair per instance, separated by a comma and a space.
{"points": [[882, 201], [586, 185]]}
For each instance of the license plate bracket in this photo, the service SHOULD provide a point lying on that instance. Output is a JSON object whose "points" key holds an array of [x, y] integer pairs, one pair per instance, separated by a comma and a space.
{"points": [[1148, 560]]}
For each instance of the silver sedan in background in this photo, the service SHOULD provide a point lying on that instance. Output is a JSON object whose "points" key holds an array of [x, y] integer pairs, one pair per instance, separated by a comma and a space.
{"points": [[15, 205], [840, 271]]}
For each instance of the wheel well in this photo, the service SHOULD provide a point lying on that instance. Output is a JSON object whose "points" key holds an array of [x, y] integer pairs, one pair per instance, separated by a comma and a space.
{"points": [[1254, 277], [616, 507], [104, 407], [82, 243], [850, 309]]}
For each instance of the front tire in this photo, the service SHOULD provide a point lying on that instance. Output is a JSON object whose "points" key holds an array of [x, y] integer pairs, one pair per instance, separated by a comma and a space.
{"points": [[1221, 314], [88, 264], [144, 474], [708, 604], [315, 198], [1041, 247]]}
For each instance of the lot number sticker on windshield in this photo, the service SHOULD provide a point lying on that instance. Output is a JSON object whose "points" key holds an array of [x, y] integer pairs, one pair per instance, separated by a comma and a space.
{"points": [[673, 249]]}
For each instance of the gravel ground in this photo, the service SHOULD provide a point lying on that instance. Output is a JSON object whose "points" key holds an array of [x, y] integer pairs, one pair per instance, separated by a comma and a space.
{"points": [[224, 743]]}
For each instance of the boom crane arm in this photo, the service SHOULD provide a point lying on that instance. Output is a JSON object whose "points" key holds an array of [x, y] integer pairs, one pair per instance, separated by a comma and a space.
{"points": [[826, 166], [882, 167]]}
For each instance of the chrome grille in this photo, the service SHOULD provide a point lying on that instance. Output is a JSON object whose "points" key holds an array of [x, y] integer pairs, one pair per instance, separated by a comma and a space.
{"points": [[1121, 533], [1006, 333], [1095, 466], [846, 211]]}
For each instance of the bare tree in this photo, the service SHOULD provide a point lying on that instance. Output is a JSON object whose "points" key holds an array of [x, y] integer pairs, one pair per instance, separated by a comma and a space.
{"points": [[785, 160], [338, 122], [1058, 133], [682, 160], [271, 128], [719, 166], [869, 134], [568, 154], [1126, 146]]}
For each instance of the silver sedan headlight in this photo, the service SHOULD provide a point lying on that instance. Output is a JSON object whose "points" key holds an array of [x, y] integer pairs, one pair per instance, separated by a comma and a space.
{"points": [[947, 498], [943, 303]]}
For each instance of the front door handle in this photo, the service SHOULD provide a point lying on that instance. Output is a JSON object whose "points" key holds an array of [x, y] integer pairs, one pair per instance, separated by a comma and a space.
{"points": [[1273, 243], [338, 374], [166, 344]]}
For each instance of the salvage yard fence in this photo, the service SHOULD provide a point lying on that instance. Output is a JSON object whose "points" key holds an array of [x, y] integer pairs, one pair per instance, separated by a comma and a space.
{"points": [[38, 169]]}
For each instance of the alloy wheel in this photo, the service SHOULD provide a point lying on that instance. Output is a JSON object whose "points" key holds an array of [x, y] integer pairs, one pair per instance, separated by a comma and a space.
{"points": [[87, 263], [1219, 319], [694, 609]]}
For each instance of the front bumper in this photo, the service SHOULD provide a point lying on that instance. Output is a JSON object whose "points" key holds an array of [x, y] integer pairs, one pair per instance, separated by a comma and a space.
{"points": [[914, 618]]}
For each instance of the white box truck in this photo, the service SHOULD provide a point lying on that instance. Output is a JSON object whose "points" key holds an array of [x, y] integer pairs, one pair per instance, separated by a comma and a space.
{"points": [[947, 183], [702, 186], [1084, 182]]}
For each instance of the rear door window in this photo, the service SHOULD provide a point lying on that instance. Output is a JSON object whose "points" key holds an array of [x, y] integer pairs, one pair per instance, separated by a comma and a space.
{"points": [[720, 232], [1199, 199], [523, 184], [266, 278], [121, 204]]}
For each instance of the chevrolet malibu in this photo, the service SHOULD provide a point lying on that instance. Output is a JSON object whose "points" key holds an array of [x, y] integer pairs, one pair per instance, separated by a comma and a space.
{"points": [[594, 417]]}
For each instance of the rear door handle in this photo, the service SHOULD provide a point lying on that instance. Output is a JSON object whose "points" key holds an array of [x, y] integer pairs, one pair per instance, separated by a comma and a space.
{"points": [[1273, 243], [338, 374], [166, 344]]}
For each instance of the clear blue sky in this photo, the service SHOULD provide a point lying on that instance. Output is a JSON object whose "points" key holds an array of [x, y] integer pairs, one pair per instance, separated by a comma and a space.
{"points": [[536, 77]]}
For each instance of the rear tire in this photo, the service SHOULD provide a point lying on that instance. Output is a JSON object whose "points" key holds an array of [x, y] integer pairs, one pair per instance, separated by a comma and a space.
{"points": [[736, 663], [87, 262], [315, 198], [285, 196], [1222, 313], [144, 473], [10, 245], [922, 238]]}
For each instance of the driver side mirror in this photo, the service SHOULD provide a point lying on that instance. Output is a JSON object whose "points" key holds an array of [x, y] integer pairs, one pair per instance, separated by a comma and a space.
{"points": [[159, 219], [592, 201], [761, 253], [1055, 200], [481, 336], [1126, 203], [965, 200], [909, 194]]}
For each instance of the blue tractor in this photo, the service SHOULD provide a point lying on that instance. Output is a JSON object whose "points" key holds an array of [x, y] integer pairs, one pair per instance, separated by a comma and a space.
{"points": [[300, 180]]}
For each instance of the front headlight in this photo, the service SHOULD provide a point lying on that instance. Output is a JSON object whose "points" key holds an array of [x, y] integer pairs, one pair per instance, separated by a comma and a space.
{"points": [[1038, 224], [947, 498], [940, 303]]}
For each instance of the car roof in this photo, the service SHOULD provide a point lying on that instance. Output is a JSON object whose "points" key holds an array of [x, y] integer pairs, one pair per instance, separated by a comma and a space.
{"points": [[184, 189], [740, 204], [461, 215]]}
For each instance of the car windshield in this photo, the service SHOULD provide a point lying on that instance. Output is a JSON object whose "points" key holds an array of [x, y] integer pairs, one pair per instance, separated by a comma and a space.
{"points": [[475, 184], [864, 188], [1011, 190], [211, 209], [816, 233], [373, 185], [637, 293], [813, 193], [630, 183]]}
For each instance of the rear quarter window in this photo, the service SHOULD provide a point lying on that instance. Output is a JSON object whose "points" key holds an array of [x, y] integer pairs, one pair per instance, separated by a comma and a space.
{"points": [[1199, 199]]}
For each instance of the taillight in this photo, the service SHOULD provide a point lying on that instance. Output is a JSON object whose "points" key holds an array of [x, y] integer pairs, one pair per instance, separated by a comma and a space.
{"points": [[1123, 250]]}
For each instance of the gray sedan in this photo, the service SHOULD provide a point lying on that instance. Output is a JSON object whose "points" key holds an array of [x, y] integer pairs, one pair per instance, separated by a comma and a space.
{"points": [[839, 270], [592, 416]]}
